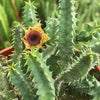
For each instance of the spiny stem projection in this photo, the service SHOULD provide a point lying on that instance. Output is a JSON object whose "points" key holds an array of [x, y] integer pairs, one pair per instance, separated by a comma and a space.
{"points": [[29, 14], [79, 70], [17, 43], [20, 81], [42, 76], [66, 30]]}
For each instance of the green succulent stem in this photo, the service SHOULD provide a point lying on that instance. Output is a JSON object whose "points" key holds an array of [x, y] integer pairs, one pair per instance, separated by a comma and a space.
{"points": [[42, 76], [67, 24], [19, 80], [30, 14]]}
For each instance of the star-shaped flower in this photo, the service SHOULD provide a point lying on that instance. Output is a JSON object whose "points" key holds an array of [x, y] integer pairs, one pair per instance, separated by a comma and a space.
{"points": [[35, 37]]}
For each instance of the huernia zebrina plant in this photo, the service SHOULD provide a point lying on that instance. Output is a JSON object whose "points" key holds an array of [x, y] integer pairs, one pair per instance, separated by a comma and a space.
{"points": [[53, 64]]}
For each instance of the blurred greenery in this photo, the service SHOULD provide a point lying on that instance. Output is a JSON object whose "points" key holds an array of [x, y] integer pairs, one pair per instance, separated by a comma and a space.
{"points": [[7, 16], [88, 12]]}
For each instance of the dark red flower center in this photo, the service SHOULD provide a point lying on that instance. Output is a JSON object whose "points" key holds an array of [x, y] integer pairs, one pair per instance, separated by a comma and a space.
{"points": [[34, 38]]}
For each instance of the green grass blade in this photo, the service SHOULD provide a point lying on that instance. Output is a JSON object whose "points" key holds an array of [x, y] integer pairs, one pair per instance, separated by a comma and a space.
{"points": [[4, 24]]}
